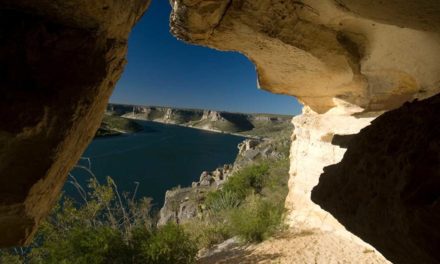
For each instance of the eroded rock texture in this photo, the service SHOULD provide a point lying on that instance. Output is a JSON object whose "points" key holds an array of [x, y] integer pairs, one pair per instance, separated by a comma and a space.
{"points": [[321, 50], [59, 61], [388, 184], [347, 61]]}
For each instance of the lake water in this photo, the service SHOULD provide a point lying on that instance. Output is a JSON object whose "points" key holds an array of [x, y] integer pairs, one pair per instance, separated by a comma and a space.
{"points": [[159, 158]]}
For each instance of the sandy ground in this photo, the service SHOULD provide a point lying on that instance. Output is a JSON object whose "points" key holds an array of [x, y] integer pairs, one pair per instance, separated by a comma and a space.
{"points": [[306, 247]]}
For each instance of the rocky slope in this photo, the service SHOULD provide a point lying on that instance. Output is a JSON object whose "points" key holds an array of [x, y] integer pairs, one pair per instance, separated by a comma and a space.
{"points": [[250, 124], [184, 204]]}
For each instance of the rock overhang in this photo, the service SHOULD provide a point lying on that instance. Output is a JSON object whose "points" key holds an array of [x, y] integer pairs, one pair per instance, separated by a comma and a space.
{"points": [[347, 62], [318, 51], [337, 57]]}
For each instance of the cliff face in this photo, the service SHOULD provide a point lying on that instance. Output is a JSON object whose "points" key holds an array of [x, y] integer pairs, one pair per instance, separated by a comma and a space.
{"points": [[211, 115], [205, 119], [347, 61], [184, 204]]}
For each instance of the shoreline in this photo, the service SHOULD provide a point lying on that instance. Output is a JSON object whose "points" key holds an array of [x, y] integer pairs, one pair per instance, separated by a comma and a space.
{"points": [[199, 128]]}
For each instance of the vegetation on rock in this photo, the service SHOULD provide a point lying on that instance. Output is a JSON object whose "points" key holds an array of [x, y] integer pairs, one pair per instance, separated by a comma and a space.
{"points": [[112, 125], [250, 205], [105, 227]]}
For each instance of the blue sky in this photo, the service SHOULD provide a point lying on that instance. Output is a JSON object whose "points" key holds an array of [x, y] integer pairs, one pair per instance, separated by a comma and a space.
{"points": [[164, 71]]}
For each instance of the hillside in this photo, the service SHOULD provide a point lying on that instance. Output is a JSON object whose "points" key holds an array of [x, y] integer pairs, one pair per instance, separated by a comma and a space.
{"points": [[262, 125], [116, 125]]}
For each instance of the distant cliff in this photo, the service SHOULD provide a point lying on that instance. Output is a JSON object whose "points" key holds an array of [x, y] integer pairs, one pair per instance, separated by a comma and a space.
{"points": [[115, 125], [250, 124]]}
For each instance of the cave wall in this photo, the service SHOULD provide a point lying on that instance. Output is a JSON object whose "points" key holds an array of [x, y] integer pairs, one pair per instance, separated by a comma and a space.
{"points": [[311, 150], [59, 62], [388, 183]]}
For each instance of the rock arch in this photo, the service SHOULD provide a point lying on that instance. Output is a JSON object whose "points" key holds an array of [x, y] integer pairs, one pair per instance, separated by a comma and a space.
{"points": [[347, 61]]}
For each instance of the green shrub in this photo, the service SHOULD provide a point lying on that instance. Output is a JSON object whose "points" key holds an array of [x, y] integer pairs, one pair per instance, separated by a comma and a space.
{"points": [[167, 245], [256, 220], [247, 180], [250, 204], [222, 200], [241, 184], [209, 231], [8, 258], [85, 245], [107, 228]]}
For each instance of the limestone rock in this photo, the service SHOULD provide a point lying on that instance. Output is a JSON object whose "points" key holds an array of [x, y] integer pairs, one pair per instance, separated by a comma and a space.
{"points": [[247, 145], [388, 184], [205, 179], [180, 205], [59, 63], [211, 115], [421, 14], [311, 151], [321, 50]]}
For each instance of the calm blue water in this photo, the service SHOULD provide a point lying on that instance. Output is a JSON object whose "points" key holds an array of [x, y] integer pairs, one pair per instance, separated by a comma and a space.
{"points": [[159, 158]]}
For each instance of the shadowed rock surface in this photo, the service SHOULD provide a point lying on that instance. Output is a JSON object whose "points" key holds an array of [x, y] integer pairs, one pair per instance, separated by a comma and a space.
{"points": [[59, 62], [388, 184]]}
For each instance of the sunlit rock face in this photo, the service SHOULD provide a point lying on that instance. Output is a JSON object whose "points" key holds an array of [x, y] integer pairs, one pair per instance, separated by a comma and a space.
{"points": [[387, 187], [346, 61], [311, 150], [59, 63], [320, 50]]}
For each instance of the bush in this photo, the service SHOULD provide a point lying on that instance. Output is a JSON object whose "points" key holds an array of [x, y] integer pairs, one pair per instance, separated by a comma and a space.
{"points": [[250, 204], [8, 258], [106, 228], [222, 200], [167, 245], [256, 220], [247, 180], [208, 232], [241, 184], [85, 245]]}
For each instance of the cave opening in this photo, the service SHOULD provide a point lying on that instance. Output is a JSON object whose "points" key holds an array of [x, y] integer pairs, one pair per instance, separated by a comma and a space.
{"points": [[346, 62]]}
